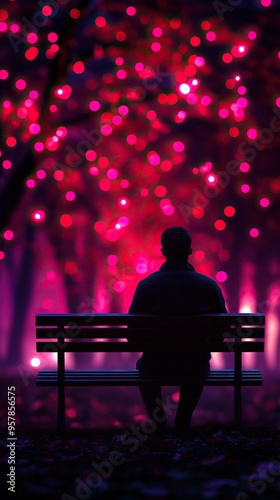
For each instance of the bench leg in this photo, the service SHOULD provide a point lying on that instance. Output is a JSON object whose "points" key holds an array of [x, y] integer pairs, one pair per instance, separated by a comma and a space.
{"points": [[61, 409], [238, 406]]}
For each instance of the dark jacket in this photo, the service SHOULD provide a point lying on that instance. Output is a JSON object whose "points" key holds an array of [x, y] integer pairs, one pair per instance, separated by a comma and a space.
{"points": [[177, 289]]}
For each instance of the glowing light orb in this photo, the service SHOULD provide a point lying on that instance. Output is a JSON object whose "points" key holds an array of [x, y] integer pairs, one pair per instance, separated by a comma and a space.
{"points": [[121, 74], [223, 113], [160, 191], [192, 98], [211, 36], [131, 11], [100, 21], [78, 67], [47, 10], [153, 158], [252, 133], [100, 226], [144, 192], [61, 131], [14, 28], [252, 35], [58, 175], [155, 46], [32, 37], [105, 184], [227, 58], [119, 286], [233, 131], [3, 74], [38, 216], [11, 142], [123, 202], [157, 32], [244, 167], [166, 207], [120, 36], [112, 173], [70, 195], [184, 88], [94, 105], [35, 362], [34, 128], [122, 222], [221, 276], [199, 255], [93, 170], [245, 188], [254, 232], [229, 211], [206, 167], [123, 110], [131, 139], [103, 161], [175, 23], [266, 3], [20, 84], [220, 225], [106, 129], [112, 260], [52, 37], [8, 235], [205, 100], [205, 25], [264, 202], [141, 267], [39, 146], [199, 62], [195, 41], [6, 164], [211, 179], [75, 13], [66, 220], [178, 146], [30, 183], [90, 155]]}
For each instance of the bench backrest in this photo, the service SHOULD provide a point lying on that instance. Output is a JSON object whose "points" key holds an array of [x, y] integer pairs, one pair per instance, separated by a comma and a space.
{"points": [[84, 332]]}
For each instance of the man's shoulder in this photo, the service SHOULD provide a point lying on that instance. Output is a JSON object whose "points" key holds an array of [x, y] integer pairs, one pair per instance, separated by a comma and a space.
{"points": [[204, 278], [149, 279]]}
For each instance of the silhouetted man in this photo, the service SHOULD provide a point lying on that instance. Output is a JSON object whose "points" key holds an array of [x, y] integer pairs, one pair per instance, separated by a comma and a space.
{"points": [[175, 288]]}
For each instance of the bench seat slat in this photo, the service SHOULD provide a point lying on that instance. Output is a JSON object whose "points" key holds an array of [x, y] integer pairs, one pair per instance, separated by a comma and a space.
{"points": [[167, 347], [132, 377], [160, 333], [138, 320]]}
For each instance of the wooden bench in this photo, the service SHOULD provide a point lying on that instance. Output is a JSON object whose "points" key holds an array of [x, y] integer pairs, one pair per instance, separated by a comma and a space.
{"points": [[63, 333]]}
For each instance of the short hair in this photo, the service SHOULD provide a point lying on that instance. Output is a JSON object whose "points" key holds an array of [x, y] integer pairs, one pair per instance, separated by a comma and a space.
{"points": [[176, 243]]}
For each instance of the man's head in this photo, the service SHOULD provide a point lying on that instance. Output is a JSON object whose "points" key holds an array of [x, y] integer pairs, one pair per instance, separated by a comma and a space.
{"points": [[176, 243]]}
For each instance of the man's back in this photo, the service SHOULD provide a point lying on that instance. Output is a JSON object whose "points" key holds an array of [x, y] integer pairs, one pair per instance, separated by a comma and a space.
{"points": [[176, 289]]}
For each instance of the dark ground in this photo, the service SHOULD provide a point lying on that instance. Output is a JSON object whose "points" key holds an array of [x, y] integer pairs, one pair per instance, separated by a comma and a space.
{"points": [[99, 457]]}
